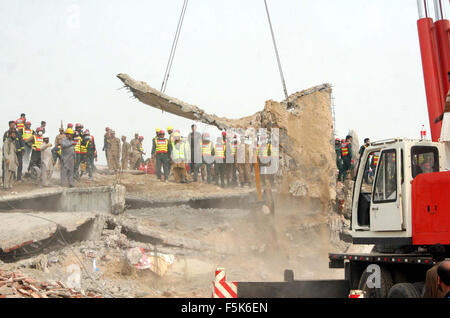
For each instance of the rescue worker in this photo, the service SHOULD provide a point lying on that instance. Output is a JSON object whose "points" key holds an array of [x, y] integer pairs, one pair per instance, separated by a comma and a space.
{"points": [[10, 162], [161, 151], [43, 125], [243, 160], [36, 149], [179, 156], [134, 156], [219, 161], [126, 149], [88, 153], [170, 134], [91, 155], [46, 160], [346, 154], [231, 156], [363, 147], [67, 158], [114, 151], [264, 154], [20, 122], [337, 149], [207, 149], [26, 133], [106, 145]]}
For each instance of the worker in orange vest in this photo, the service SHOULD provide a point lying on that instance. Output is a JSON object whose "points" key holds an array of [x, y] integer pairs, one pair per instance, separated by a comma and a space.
{"points": [[346, 155], [162, 150], [219, 161]]}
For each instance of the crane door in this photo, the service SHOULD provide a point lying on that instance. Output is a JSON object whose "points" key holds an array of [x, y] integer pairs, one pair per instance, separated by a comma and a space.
{"points": [[386, 207]]}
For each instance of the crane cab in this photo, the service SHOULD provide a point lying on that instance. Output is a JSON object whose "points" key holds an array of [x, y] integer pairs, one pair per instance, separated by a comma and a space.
{"points": [[389, 205]]}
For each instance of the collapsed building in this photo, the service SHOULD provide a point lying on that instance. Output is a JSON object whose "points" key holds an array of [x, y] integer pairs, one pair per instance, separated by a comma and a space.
{"points": [[305, 122]]}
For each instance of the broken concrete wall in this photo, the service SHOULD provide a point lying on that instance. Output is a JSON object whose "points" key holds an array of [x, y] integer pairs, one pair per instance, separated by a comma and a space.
{"points": [[308, 163]]}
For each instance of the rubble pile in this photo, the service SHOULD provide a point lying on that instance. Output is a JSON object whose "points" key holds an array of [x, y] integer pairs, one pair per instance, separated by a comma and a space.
{"points": [[16, 285]]}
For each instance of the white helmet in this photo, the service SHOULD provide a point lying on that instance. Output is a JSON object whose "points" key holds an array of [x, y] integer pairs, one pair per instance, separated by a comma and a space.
{"points": [[45, 136]]}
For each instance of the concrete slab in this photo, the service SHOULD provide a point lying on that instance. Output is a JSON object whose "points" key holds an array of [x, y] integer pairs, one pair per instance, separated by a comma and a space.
{"points": [[19, 229]]}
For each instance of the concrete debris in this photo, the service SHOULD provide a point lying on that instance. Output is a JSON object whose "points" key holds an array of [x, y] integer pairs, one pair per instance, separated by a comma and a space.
{"points": [[344, 198], [16, 285], [158, 263], [307, 157]]}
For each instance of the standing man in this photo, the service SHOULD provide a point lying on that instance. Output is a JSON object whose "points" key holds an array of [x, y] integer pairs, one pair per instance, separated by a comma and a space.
{"points": [[114, 151], [162, 151], [219, 161], [67, 158], [36, 148], [55, 150], [207, 159], [126, 148], [46, 160], [243, 159], [106, 146], [43, 124], [26, 133], [9, 159], [20, 122], [179, 157], [346, 154], [195, 140], [140, 148], [19, 148], [363, 147], [134, 156], [264, 154]]}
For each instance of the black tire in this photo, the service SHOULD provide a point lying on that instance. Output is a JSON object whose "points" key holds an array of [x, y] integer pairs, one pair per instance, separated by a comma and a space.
{"points": [[385, 284], [403, 290], [419, 286]]}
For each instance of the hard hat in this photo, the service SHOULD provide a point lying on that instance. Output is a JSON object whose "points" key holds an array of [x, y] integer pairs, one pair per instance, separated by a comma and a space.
{"points": [[161, 132], [169, 128], [141, 137], [69, 125], [224, 133], [342, 140], [45, 136], [107, 128], [158, 130], [69, 131], [176, 134], [86, 132], [337, 139], [77, 125], [177, 131]]}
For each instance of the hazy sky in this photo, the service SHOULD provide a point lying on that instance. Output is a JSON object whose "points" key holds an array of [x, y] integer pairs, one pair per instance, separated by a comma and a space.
{"points": [[59, 60]]}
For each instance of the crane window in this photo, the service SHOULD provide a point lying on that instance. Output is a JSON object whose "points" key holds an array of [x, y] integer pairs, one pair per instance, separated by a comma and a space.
{"points": [[424, 160], [386, 178]]}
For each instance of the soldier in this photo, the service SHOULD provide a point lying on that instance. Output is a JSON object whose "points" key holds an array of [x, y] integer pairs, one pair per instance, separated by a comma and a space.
{"points": [[67, 158], [162, 150], [126, 148], [140, 148], [114, 151], [134, 156], [179, 157]]}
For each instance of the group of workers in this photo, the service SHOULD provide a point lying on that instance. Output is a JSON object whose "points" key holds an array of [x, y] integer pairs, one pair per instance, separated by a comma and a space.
{"points": [[344, 157], [221, 161], [23, 146]]}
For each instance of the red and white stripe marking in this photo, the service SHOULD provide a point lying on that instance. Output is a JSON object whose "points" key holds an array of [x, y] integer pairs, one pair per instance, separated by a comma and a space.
{"points": [[222, 288]]}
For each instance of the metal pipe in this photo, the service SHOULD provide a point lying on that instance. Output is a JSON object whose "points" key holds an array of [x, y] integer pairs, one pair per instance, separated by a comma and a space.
{"points": [[438, 11]]}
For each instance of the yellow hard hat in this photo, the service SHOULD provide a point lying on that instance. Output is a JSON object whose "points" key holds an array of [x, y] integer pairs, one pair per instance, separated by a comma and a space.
{"points": [[177, 134], [169, 128], [69, 131], [158, 129]]}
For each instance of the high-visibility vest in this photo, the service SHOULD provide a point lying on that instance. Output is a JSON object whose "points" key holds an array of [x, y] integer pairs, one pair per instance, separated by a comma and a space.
{"points": [[139, 147], [58, 151], [162, 146], [78, 145], [344, 149], [27, 133], [234, 148], [83, 148], [20, 123], [375, 160], [206, 149], [178, 154], [38, 140], [219, 151], [265, 150]]}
